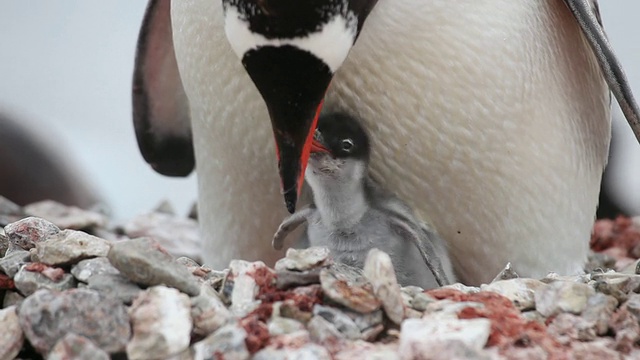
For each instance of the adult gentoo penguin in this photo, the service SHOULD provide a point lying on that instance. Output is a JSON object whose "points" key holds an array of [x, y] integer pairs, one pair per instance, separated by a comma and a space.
{"points": [[491, 118]]}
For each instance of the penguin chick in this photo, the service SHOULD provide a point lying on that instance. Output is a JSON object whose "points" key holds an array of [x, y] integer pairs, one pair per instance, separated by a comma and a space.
{"points": [[352, 214]]}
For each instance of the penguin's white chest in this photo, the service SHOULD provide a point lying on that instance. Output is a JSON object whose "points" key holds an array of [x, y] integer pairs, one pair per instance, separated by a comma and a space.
{"points": [[490, 118]]}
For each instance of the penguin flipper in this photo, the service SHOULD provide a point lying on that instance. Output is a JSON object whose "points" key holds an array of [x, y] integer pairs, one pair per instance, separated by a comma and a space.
{"points": [[587, 14], [425, 247], [160, 106], [290, 224]]}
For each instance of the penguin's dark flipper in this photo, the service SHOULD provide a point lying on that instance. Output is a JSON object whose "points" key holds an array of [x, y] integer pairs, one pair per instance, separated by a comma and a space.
{"points": [[160, 106], [587, 15]]}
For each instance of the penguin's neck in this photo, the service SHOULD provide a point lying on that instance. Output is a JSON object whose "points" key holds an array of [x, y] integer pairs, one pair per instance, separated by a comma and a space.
{"points": [[341, 204]]}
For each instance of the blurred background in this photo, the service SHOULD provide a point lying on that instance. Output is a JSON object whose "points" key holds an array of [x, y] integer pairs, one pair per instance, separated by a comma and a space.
{"points": [[65, 73]]}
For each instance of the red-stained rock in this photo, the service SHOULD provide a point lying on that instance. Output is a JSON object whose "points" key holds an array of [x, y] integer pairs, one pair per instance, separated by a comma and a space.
{"points": [[6, 283], [52, 273], [620, 233], [508, 327], [257, 333]]}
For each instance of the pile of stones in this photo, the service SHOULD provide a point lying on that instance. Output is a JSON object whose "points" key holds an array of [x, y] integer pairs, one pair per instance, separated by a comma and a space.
{"points": [[71, 288]]}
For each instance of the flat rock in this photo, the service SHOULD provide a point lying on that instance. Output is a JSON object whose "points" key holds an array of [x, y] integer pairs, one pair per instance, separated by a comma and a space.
{"points": [[286, 279], [228, 340], [303, 259], [378, 269], [11, 336], [85, 269], [115, 285], [208, 311], [423, 333], [11, 298], [323, 332], [26, 233], [145, 262], [348, 289], [29, 281], [342, 322], [70, 246], [65, 217], [521, 292], [47, 316], [179, 236], [13, 260], [563, 296], [161, 320], [76, 347]]}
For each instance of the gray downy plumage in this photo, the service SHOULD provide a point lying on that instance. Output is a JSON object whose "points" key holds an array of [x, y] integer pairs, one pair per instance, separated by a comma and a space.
{"points": [[353, 214]]}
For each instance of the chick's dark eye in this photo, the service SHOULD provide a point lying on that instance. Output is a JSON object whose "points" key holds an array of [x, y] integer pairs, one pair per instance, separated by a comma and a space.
{"points": [[347, 145]]}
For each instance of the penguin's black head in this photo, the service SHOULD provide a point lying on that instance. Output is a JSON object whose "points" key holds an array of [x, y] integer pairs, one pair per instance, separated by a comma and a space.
{"points": [[291, 49], [339, 153], [341, 136]]}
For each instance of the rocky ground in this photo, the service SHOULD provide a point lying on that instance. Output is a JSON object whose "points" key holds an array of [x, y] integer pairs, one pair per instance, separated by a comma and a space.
{"points": [[73, 287]]}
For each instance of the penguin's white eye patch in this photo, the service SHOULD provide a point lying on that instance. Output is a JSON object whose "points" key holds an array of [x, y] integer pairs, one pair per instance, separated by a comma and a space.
{"points": [[347, 145]]}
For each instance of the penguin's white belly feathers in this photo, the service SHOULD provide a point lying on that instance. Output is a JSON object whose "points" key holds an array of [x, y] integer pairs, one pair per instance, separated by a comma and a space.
{"points": [[490, 118]]}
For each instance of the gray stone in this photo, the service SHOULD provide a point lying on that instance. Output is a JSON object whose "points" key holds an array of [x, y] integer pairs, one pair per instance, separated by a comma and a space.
{"points": [[65, 217], [4, 244], [145, 262], [70, 246], [13, 260], [303, 259], [115, 285], [208, 311], [11, 336], [288, 279], [161, 320], [76, 347], [506, 274], [343, 323], [9, 211], [599, 309], [11, 298], [521, 292], [179, 236], [617, 285], [228, 340], [421, 301], [27, 282], [165, 207], [282, 326], [85, 269], [563, 296], [353, 292], [322, 331], [365, 321], [26, 233], [46, 316], [378, 269]]}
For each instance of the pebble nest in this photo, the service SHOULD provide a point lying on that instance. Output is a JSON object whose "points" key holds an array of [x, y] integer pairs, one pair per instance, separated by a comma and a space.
{"points": [[73, 287]]}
